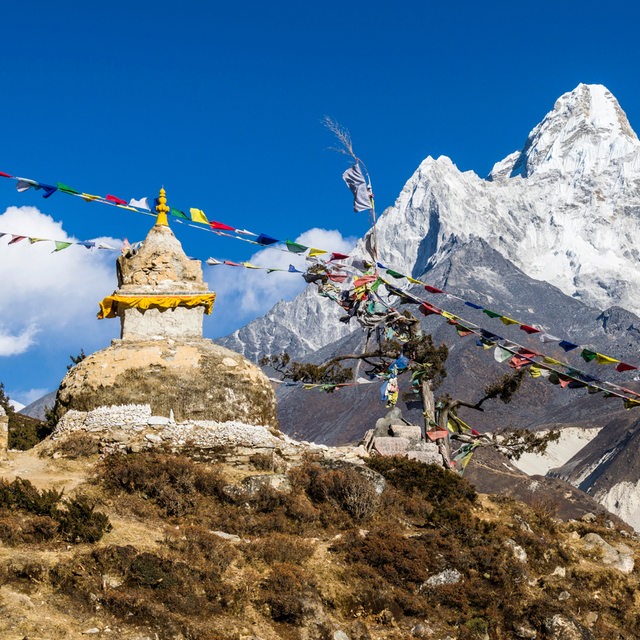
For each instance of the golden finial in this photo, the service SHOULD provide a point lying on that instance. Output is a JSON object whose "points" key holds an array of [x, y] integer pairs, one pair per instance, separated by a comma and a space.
{"points": [[162, 209]]}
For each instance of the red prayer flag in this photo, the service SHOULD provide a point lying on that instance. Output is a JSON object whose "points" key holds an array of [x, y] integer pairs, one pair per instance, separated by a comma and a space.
{"points": [[427, 309], [623, 366], [431, 289], [15, 239], [115, 199], [221, 226], [232, 264], [338, 256], [436, 435], [528, 329], [359, 282], [5, 175], [337, 277]]}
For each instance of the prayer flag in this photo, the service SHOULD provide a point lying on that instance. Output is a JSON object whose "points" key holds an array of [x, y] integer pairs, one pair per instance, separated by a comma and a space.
{"points": [[547, 337], [34, 240], [115, 200], [394, 274], [24, 184], [431, 289], [508, 321], [473, 305], [463, 331], [337, 256], [358, 186], [567, 346], [292, 269], [221, 226], [265, 240], [61, 245], [248, 265], [549, 360], [15, 239], [502, 355], [491, 314], [143, 203], [65, 188], [413, 280], [245, 232], [5, 175], [87, 197], [197, 215], [49, 190], [337, 277], [427, 309], [176, 213], [294, 247], [529, 329], [232, 264], [602, 359], [213, 261], [623, 366], [587, 355], [315, 252], [629, 403]]}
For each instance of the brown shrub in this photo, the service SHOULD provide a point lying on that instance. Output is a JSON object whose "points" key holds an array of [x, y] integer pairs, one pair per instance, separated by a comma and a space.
{"points": [[285, 591], [77, 445], [280, 548]]}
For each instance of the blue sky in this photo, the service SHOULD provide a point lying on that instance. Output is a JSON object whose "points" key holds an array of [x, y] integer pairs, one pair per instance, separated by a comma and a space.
{"points": [[223, 105]]}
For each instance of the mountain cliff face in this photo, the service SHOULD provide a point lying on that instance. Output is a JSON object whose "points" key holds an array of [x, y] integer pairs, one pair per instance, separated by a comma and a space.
{"points": [[564, 209]]}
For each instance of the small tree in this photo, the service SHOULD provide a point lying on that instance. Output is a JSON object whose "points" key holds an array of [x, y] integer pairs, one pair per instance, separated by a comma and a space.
{"points": [[427, 367]]}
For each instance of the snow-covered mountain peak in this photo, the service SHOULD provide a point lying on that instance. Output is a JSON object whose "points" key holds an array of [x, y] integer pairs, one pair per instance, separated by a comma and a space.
{"points": [[585, 132]]}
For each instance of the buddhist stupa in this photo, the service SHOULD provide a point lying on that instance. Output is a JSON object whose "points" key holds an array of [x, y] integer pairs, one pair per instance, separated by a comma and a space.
{"points": [[161, 358]]}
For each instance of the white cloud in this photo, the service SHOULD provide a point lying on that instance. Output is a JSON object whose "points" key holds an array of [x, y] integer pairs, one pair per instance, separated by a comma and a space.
{"points": [[28, 396], [45, 295], [244, 294]]}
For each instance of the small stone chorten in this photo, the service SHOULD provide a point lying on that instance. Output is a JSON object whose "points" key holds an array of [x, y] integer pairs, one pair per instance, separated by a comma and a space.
{"points": [[161, 358]]}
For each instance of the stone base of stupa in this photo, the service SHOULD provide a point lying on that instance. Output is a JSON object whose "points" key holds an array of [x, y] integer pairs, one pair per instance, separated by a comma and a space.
{"points": [[167, 380]]}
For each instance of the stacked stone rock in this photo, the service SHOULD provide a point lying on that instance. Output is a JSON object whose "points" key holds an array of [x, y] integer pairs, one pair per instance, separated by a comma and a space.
{"points": [[162, 366], [394, 436]]}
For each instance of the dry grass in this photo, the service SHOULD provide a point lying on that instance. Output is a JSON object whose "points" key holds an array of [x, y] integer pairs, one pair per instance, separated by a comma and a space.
{"points": [[308, 562]]}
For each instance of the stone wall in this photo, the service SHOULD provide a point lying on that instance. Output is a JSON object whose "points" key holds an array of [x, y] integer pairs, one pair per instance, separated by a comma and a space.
{"points": [[131, 428]]}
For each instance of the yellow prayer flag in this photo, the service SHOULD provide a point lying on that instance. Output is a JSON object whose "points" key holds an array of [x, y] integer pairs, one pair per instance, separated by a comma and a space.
{"points": [[88, 197], [508, 321], [248, 265], [549, 360], [602, 359], [449, 316], [197, 215], [315, 252], [413, 280], [535, 372]]}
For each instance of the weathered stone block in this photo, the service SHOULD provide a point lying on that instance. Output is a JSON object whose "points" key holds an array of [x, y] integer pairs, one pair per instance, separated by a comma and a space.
{"points": [[426, 457], [409, 431], [387, 446]]}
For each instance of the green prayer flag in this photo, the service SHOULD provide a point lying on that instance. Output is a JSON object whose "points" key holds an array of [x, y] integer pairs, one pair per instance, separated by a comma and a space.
{"points": [[61, 245], [394, 274], [588, 355], [491, 314], [178, 214], [294, 247], [65, 188]]}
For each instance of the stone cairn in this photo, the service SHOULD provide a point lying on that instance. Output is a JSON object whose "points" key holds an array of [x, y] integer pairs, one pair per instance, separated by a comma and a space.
{"points": [[394, 436]]}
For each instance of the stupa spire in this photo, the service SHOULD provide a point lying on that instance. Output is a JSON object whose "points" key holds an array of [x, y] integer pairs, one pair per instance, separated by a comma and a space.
{"points": [[162, 209]]}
